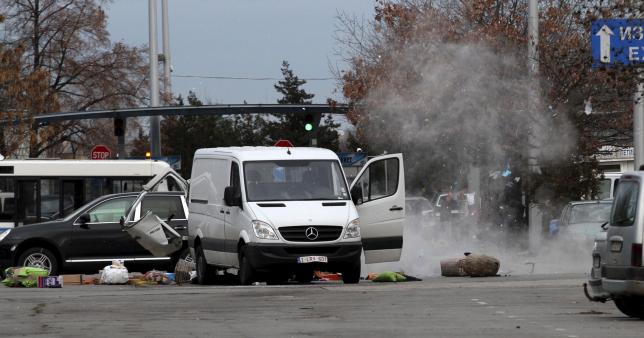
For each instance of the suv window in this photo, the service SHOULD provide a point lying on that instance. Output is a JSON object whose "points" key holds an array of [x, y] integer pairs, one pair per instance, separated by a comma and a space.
{"points": [[625, 204], [110, 211], [163, 206]]}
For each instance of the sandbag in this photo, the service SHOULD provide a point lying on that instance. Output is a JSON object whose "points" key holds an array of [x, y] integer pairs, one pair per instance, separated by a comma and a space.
{"points": [[480, 265], [452, 267]]}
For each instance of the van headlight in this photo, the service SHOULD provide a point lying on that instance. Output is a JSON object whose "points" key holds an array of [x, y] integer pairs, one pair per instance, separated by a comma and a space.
{"points": [[4, 234], [353, 229], [263, 230]]}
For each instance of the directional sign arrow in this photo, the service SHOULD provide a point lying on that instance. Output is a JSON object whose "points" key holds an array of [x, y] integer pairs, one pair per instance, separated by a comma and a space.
{"points": [[604, 43]]}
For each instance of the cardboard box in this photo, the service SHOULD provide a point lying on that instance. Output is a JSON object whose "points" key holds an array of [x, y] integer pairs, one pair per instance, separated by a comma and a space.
{"points": [[50, 282], [73, 279]]}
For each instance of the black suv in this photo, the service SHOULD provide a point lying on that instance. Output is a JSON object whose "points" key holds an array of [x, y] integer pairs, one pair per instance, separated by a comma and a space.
{"points": [[91, 236]]}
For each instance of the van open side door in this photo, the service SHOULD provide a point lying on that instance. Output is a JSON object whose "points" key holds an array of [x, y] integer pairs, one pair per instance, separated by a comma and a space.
{"points": [[378, 192]]}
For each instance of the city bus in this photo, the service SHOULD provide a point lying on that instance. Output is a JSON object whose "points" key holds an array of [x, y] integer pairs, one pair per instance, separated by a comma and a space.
{"points": [[33, 191]]}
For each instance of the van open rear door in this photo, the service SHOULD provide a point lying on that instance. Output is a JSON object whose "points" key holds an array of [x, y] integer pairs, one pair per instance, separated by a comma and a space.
{"points": [[379, 195]]}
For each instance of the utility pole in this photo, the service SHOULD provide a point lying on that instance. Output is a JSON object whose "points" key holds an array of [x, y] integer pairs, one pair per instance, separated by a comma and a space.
{"points": [[535, 214], [167, 86], [638, 107], [155, 135]]}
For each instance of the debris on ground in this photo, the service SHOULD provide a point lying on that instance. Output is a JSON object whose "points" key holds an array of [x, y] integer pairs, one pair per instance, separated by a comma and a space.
{"points": [[25, 276], [326, 276], [473, 265], [114, 274], [390, 276], [184, 269]]}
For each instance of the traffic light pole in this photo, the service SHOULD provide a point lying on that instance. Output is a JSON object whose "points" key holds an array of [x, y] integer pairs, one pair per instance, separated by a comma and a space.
{"points": [[121, 142]]}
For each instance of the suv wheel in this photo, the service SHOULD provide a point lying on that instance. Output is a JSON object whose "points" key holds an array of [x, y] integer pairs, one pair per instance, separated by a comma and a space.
{"points": [[204, 271], [40, 258], [631, 306]]}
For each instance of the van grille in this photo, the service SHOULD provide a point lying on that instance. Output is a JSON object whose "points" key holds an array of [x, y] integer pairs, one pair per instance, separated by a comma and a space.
{"points": [[298, 233]]}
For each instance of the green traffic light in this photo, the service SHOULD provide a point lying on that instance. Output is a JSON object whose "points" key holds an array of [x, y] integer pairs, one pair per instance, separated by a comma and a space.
{"points": [[308, 127]]}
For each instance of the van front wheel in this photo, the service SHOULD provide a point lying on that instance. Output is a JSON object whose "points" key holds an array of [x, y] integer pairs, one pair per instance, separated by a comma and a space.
{"points": [[351, 275], [631, 306], [246, 271]]}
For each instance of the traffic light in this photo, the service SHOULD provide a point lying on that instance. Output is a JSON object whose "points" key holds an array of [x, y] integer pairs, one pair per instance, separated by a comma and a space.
{"points": [[119, 126], [309, 122]]}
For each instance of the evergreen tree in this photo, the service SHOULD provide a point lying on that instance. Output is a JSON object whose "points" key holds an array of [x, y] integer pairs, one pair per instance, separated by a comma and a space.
{"points": [[291, 126]]}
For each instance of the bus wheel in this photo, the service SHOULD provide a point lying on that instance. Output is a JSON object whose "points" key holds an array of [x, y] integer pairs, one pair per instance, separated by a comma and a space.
{"points": [[39, 257]]}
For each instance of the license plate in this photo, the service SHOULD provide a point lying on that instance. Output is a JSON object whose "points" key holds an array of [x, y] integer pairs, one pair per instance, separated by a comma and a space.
{"points": [[312, 259], [616, 246]]}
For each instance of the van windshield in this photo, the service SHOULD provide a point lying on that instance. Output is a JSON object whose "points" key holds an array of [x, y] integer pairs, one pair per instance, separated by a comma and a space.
{"points": [[294, 180]]}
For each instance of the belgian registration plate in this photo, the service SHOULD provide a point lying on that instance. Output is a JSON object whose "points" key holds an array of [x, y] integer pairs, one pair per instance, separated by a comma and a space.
{"points": [[312, 259]]}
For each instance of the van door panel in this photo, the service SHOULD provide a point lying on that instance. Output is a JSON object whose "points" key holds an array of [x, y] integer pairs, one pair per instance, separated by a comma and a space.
{"points": [[381, 209], [207, 205]]}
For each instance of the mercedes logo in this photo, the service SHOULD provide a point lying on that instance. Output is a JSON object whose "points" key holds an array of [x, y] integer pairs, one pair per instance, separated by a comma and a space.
{"points": [[311, 233]]}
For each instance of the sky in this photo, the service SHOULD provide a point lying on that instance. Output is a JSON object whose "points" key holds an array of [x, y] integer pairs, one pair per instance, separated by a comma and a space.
{"points": [[243, 38]]}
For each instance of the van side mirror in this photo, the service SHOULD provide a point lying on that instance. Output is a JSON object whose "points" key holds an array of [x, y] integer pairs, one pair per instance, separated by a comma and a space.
{"points": [[356, 195], [232, 197], [84, 218]]}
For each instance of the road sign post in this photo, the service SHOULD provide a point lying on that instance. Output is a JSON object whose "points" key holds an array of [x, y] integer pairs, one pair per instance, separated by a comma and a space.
{"points": [[100, 152], [620, 42]]}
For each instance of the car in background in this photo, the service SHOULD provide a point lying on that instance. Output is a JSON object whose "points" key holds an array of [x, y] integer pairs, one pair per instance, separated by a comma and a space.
{"points": [[464, 202], [581, 220], [92, 235], [418, 206]]}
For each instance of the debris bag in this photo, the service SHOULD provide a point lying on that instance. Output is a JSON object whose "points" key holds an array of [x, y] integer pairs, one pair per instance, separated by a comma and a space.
{"points": [[452, 267], [183, 269], [157, 277], [390, 276], [154, 235], [114, 274], [480, 265], [25, 276]]}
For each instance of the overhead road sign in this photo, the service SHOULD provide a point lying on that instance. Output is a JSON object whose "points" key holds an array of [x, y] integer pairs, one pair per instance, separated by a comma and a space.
{"points": [[617, 42], [222, 109]]}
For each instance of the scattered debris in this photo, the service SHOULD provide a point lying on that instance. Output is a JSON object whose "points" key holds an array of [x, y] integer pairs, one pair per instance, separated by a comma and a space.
{"points": [[25, 276], [114, 274], [593, 312], [326, 276], [390, 276]]}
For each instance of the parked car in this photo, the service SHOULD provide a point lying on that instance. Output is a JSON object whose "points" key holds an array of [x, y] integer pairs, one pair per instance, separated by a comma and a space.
{"points": [[599, 260], [92, 235], [582, 220], [418, 210]]}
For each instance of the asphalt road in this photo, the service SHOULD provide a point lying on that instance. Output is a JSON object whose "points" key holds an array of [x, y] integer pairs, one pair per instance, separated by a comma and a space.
{"points": [[519, 306]]}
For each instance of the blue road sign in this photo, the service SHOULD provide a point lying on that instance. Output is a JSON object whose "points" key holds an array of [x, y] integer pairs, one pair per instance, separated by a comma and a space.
{"points": [[352, 159], [617, 42]]}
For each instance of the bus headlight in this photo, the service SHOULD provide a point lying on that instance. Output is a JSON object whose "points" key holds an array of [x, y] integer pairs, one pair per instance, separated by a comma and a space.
{"points": [[353, 229], [263, 230], [4, 234]]}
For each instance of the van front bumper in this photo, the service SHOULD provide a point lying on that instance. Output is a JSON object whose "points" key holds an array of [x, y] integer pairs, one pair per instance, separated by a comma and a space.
{"points": [[263, 257]]}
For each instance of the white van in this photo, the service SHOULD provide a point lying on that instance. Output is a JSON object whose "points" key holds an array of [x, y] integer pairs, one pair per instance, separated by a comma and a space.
{"points": [[271, 212]]}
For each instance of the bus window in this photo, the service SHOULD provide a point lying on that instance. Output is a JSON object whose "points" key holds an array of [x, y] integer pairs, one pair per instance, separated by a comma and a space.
{"points": [[28, 196], [7, 199], [49, 199], [96, 187]]}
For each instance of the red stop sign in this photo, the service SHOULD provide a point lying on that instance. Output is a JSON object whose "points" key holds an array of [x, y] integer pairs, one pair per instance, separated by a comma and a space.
{"points": [[100, 152], [284, 143]]}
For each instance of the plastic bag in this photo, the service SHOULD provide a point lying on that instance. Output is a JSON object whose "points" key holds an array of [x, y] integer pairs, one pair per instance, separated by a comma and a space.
{"points": [[26, 276], [114, 274]]}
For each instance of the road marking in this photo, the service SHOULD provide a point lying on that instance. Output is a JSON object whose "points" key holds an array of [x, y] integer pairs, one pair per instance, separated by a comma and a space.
{"points": [[475, 299], [560, 329], [482, 303], [500, 312]]}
